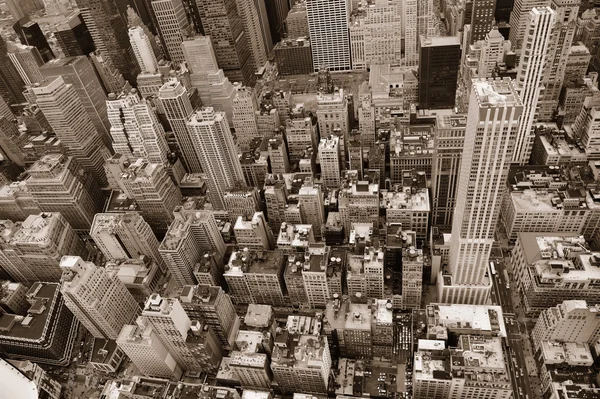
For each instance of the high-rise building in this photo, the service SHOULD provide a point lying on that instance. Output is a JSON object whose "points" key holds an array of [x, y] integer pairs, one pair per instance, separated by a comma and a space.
{"points": [[73, 36], [222, 22], [482, 19], [125, 236], [12, 297], [111, 77], [56, 186], [70, 120], [519, 20], [151, 187], [50, 345], [329, 158], [11, 84], [333, 114], [142, 48], [213, 305], [563, 33], [143, 346], [256, 27], [109, 32], [241, 201], [175, 99], [294, 56], [214, 142], [31, 34], [27, 60], [253, 232], [529, 77], [100, 302], [79, 72], [189, 235], [173, 25], [438, 71], [366, 273], [278, 155], [300, 133], [358, 202], [449, 139], [31, 251], [135, 128], [492, 123], [244, 118], [328, 27], [296, 21], [171, 325], [199, 54]]}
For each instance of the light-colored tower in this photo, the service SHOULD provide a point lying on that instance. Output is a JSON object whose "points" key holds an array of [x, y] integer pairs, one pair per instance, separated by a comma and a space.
{"points": [[254, 233], [256, 28], [56, 186], [173, 25], [333, 116], [409, 24], [563, 32], [125, 236], [425, 18], [100, 302], [329, 158], [328, 27], [492, 124], [199, 54], [312, 208], [529, 77], [135, 129], [171, 324], [178, 108], [491, 53], [519, 20], [142, 48], [151, 187], [278, 155], [67, 116], [212, 136], [142, 345], [244, 118], [27, 60], [79, 72]]}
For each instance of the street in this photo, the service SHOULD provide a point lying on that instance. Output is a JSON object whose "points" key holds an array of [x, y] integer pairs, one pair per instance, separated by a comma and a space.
{"points": [[519, 354]]}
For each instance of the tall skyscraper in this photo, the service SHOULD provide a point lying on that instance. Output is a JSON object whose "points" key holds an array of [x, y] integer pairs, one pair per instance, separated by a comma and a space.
{"points": [[109, 31], [222, 22], [438, 71], [529, 77], [125, 236], [563, 33], [329, 158], [312, 208], [66, 114], [56, 185], [328, 27], [30, 33], [135, 128], [277, 11], [11, 84], [492, 123], [100, 302], [79, 72], [212, 136], [173, 26], [244, 118], [256, 27], [519, 20], [27, 60], [142, 48], [73, 36], [482, 19], [178, 109]]}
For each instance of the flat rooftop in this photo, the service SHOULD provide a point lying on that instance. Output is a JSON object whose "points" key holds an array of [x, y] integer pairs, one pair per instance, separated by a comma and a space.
{"points": [[250, 261], [484, 318]]}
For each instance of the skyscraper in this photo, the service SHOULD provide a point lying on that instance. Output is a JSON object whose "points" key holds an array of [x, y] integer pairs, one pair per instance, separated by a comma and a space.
{"points": [[519, 20], [178, 108], [11, 84], [31, 34], [328, 27], [173, 26], [142, 48], [529, 77], [135, 128], [27, 60], [125, 236], [218, 156], [329, 158], [66, 114], [109, 31], [438, 71], [244, 118], [256, 27], [277, 11], [492, 123], [482, 19], [73, 36], [100, 302], [222, 22]]}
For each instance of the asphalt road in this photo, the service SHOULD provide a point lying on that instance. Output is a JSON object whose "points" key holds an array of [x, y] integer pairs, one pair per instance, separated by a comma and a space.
{"points": [[501, 295]]}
